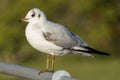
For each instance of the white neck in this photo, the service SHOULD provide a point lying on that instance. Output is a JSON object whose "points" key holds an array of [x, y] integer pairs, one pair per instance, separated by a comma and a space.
{"points": [[43, 18]]}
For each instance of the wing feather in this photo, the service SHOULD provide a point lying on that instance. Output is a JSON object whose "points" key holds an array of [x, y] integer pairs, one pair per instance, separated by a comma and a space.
{"points": [[61, 36]]}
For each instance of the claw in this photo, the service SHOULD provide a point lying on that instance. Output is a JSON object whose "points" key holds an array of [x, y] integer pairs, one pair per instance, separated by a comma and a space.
{"points": [[46, 70]]}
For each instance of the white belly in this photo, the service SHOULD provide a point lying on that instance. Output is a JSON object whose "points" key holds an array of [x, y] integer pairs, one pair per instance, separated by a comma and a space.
{"points": [[35, 37]]}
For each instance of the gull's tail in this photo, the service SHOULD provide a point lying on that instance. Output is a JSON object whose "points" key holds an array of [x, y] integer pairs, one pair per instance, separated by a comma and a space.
{"points": [[87, 49]]}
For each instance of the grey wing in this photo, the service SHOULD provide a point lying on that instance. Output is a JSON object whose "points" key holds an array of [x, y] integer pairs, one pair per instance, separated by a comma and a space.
{"points": [[81, 41], [62, 37]]}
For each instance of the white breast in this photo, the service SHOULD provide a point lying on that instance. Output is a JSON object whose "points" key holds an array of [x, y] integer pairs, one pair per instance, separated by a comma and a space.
{"points": [[34, 35]]}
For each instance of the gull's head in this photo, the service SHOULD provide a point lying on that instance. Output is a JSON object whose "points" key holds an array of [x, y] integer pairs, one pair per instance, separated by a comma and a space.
{"points": [[34, 15]]}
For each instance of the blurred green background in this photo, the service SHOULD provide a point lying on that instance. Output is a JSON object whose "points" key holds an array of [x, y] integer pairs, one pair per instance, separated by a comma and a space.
{"points": [[96, 21]]}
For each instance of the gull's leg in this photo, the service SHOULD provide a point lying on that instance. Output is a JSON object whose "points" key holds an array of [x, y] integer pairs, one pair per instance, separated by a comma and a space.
{"points": [[47, 65], [53, 63], [47, 62]]}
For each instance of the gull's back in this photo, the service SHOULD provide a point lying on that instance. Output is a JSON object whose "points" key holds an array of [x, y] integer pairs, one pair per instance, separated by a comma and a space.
{"points": [[64, 37]]}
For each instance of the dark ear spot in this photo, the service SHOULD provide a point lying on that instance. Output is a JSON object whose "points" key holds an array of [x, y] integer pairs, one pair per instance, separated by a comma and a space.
{"points": [[39, 15]]}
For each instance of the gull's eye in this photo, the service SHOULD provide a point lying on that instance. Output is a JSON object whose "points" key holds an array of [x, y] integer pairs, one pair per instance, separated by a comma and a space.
{"points": [[33, 15]]}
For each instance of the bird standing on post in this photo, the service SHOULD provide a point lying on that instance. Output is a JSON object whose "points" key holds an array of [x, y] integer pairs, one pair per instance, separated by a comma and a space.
{"points": [[53, 39]]}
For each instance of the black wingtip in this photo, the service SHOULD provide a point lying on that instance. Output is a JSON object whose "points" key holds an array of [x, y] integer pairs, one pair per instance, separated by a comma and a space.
{"points": [[91, 50]]}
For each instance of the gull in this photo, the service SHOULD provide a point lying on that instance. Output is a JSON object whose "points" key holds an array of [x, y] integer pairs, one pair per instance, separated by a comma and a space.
{"points": [[53, 38]]}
